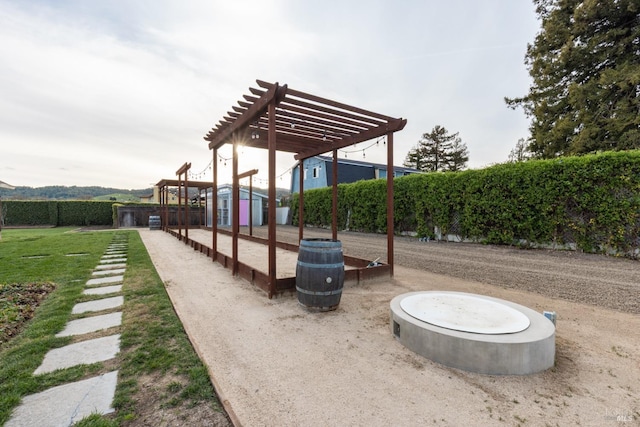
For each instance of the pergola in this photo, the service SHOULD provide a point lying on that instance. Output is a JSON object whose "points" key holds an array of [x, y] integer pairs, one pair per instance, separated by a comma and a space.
{"points": [[277, 118], [182, 186]]}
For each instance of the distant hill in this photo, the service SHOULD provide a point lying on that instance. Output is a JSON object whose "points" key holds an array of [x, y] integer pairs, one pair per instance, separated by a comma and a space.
{"points": [[59, 192]]}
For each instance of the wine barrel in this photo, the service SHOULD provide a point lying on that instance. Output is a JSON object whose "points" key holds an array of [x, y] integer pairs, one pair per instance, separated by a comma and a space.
{"points": [[320, 274]]}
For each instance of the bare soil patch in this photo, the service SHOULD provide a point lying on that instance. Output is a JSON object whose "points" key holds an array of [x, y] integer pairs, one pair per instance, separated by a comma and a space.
{"points": [[155, 405], [18, 303]]}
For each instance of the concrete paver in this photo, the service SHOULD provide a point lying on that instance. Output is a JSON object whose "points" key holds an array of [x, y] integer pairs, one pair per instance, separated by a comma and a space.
{"points": [[110, 266], [116, 258], [108, 272], [80, 353], [66, 404], [103, 290], [98, 305], [91, 324], [105, 280]]}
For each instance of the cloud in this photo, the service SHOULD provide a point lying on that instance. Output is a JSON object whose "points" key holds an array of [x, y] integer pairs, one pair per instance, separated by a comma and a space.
{"points": [[125, 91]]}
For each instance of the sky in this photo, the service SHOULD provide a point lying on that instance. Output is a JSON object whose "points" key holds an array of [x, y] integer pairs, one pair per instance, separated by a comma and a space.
{"points": [[120, 93]]}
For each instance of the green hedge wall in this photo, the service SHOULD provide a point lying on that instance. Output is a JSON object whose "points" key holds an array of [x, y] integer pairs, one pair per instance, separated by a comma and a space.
{"points": [[592, 202], [57, 213]]}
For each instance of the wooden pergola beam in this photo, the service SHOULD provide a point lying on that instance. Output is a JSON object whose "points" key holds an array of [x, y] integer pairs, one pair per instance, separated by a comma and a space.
{"points": [[330, 102], [183, 169], [255, 110], [247, 173]]}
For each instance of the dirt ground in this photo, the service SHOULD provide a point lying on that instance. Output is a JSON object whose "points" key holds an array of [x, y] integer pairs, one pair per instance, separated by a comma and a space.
{"points": [[274, 363]]}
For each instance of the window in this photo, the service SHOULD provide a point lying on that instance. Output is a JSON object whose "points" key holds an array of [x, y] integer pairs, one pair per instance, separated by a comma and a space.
{"points": [[316, 172]]}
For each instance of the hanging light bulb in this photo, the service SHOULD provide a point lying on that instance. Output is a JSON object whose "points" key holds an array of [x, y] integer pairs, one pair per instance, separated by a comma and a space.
{"points": [[255, 133], [363, 155]]}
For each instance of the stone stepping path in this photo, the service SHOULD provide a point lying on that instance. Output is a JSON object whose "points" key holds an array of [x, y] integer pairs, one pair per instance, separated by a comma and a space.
{"points": [[91, 324], [105, 280], [80, 353], [107, 272], [112, 256], [112, 260], [66, 404], [110, 266], [103, 290], [98, 305], [69, 403]]}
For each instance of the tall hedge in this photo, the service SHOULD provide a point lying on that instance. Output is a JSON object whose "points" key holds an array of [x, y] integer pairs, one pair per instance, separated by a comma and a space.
{"points": [[592, 202], [57, 213]]}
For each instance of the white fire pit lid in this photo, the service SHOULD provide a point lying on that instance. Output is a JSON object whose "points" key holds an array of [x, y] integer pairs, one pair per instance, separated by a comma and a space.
{"points": [[465, 313]]}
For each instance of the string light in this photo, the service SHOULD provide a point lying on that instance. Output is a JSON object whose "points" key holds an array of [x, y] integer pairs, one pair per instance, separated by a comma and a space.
{"points": [[357, 150], [255, 135]]}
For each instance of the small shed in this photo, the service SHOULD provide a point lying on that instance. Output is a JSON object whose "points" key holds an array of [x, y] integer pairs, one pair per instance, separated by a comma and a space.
{"points": [[258, 206]]}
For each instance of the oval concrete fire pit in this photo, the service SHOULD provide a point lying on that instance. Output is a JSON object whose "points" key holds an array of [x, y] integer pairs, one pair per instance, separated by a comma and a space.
{"points": [[475, 333]]}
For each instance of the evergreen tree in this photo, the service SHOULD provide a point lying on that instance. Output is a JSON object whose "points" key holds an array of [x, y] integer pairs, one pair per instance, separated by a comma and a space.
{"points": [[520, 152], [585, 65], [459, 156], [438, 151]]}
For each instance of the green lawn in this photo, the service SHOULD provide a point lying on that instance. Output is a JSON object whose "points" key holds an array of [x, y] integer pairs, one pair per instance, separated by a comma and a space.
{"points": [[154, 346]]}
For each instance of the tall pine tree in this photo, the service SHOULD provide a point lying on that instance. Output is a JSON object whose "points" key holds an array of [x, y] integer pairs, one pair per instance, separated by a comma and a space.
{"points": [[585, 65], [438, 151]]}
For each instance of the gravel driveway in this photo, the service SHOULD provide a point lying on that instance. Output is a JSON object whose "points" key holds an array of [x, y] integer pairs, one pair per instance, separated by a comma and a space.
{"points": [[598, 280]]}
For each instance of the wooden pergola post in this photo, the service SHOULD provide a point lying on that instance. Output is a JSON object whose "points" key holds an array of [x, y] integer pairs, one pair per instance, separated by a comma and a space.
{"points": [[251, 206], [249, 174], [187, 205], [200, 206], [166, 207], [271, 214], [235, 201], [301, 200], [179, 208], [214, 205], [334, 198], [390, 196], [184, 169]]}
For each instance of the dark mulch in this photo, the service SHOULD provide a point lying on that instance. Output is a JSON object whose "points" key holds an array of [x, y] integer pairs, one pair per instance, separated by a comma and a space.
{"points": [[18, 303]]}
